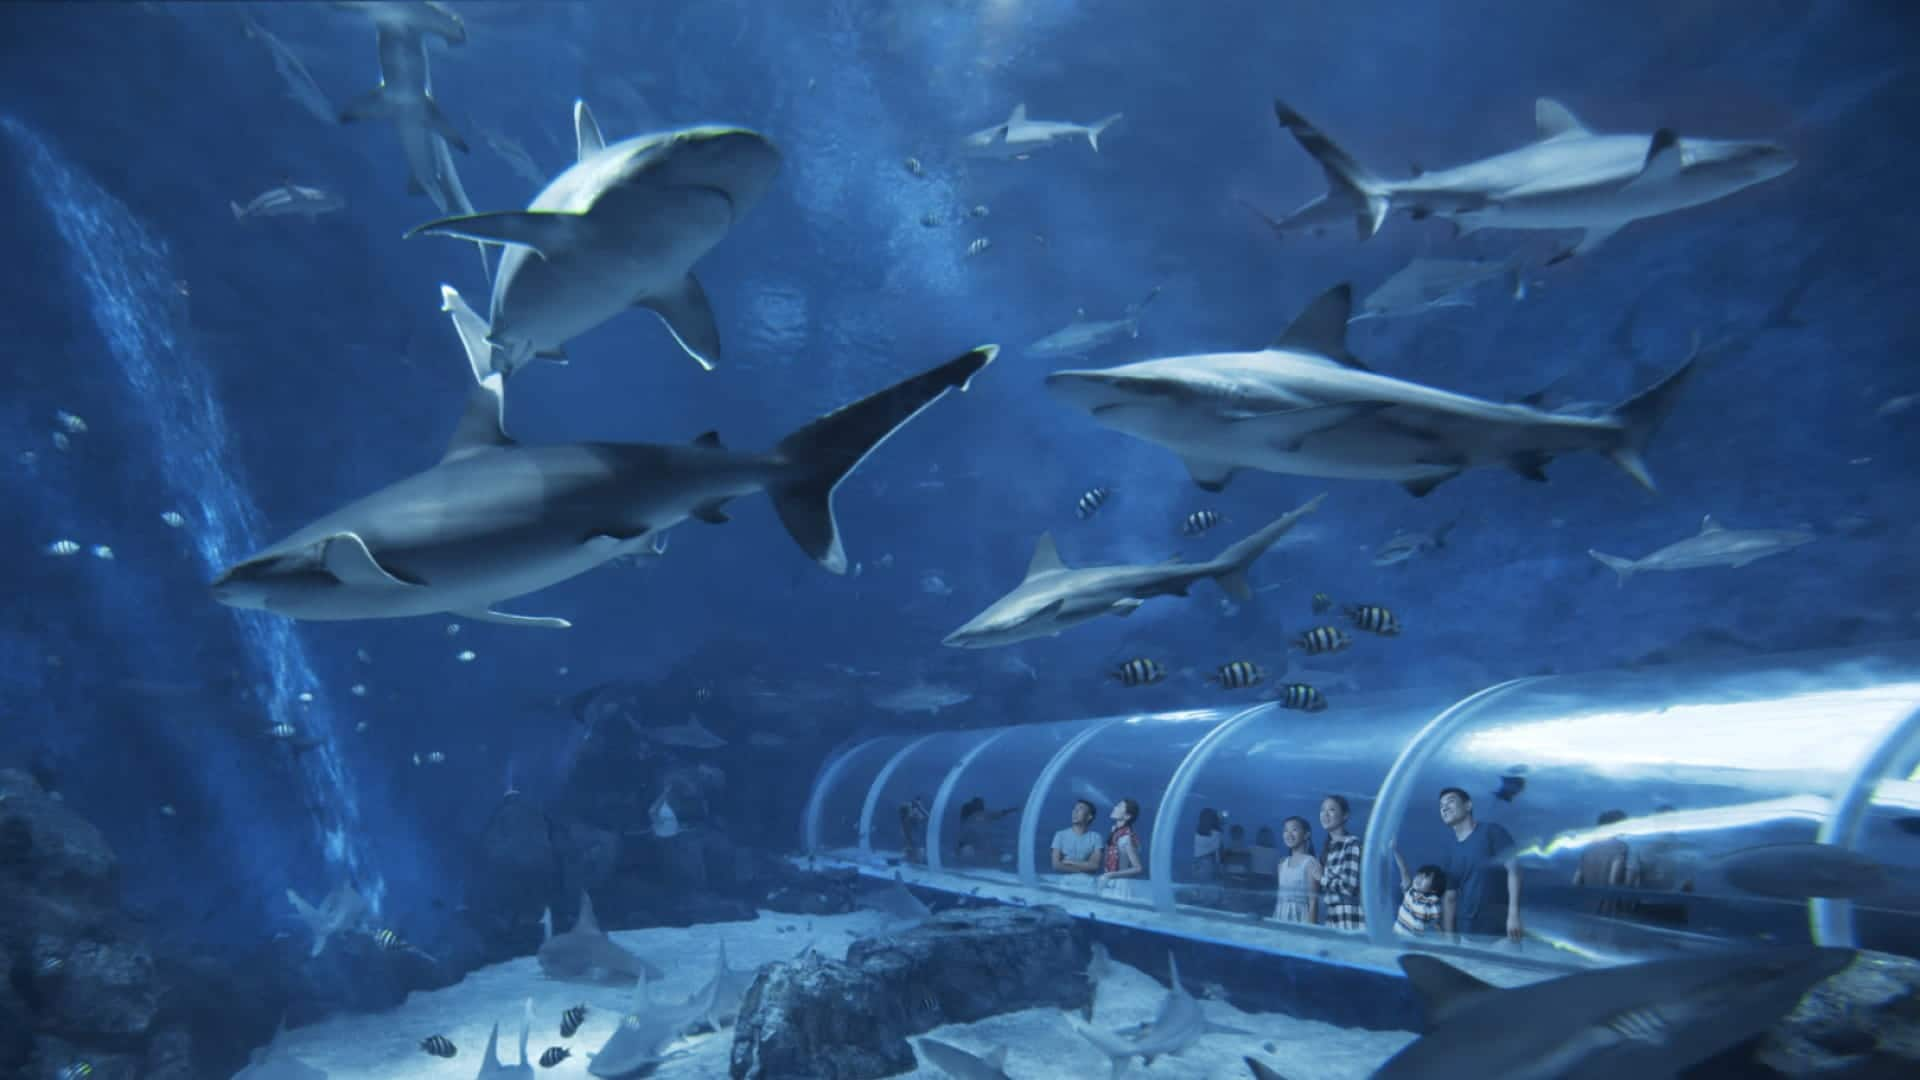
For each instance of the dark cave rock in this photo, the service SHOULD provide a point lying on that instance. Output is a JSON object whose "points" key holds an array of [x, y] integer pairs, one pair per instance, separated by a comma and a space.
{"points": [[819, 1019], [797, 892], [518, 869], [1860, 1024]]}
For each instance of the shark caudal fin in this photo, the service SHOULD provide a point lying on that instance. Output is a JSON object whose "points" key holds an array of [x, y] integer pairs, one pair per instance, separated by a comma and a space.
{"points": [[820, 455], [1094, 131], [1623, 567], [1370, 196], [1641, 415], [1232, 563]]}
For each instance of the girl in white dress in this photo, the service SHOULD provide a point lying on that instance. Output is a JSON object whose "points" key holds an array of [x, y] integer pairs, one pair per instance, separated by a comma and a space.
{"points": [[1298, 899]]}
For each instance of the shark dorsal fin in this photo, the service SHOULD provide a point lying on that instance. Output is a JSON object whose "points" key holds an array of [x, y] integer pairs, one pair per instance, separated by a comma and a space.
{"points": [[1441, 987], [586, 133], [491, 1060], [484, 423], [1046, 557], [1018, 115], [1321, 330], [1173, 973], [526, 1029], [586, 921], [1708, 525], [1554, 119], [709, 440]]}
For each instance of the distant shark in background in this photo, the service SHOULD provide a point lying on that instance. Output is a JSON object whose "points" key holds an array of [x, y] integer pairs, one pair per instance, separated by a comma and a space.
{"points": [[1054, 597], [1713, 545], [289, 199], [494, 519], [586, 952], [1016, 136], [1569, 178], [342, 909], [1083, 335], [1178, 1024], [963, 1064], [1305, 406], [1427, 284], [405, 96], [620, 228]]}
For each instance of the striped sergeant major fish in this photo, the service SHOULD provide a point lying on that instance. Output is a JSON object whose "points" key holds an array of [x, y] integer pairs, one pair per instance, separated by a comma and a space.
{"points": [[1237, 675], [1302, 697], [1200, 521], [1374, 619], [1323, 639], [1091, 502], [1139, 672]]}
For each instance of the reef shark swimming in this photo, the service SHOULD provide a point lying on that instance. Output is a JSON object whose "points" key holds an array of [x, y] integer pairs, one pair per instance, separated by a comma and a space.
{"points": [[405, 96], [620, 228], [1713, 545], [494, 519], [1648, 1021], [1083, 335], [586, 952], [1054, 597], [1569, 178], [1305, 406], [1017, 137]]}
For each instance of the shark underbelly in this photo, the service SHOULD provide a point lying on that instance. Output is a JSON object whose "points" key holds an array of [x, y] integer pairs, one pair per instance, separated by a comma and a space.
{"points": [[472, 573], [551, 301]]}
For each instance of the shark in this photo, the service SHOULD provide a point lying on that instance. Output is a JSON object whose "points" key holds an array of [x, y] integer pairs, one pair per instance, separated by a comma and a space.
{"points": [[721, 997], [922, 696], [1306, 406], [619, 228], [1054, 597], [289, 199], [1018, 137], [1569, 177], [1178, 1024], [586, 952], [342, 909], [1429, 284], [1084, 335], [490, 1066], [1649, 1021], [1713, 545], [644, 1033], [963, 1064], [495, 519], [405, 96]]}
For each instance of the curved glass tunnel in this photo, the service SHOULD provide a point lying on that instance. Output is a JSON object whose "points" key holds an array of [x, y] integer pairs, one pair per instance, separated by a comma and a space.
{"points": [[1768, 800]]}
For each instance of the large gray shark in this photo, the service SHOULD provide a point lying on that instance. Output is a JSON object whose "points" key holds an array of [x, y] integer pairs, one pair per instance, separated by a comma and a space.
{"points": [[586, 952], [620, 228], [1017, 137], [405, 96], [963, 1064], [1083, 335], [1178, 1024], [1054, 597], [494, 519], [1569, 178], [1305, 406], [1713, 545], [644, 1033], [1647, 1021]]}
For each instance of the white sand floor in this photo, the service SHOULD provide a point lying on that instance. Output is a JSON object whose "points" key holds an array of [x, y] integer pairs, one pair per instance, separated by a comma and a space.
{"points": [[1040, 1043]]}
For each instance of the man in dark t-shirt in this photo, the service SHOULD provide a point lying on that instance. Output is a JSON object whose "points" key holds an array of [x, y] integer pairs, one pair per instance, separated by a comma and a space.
{"points": [[1483, 887]]}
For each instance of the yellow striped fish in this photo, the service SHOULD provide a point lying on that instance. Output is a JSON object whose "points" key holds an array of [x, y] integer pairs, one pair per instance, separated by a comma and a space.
{"points": [[1140, 672], [1237, 675], [1302, 697], [1374, 619]]}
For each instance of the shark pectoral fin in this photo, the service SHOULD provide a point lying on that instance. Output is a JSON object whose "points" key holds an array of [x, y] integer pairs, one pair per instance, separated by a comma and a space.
{"points": [[689, 317], [1210, 475], [1531, 464], [1234, 584], [1124, 608], [1422, 487], [372, 105], [347, 557], [1589, 240], [609, 544], [1286, 430], [1663, 161], [444, 128], [586, 132], [709, 512], [504, 619], [548, 234]]}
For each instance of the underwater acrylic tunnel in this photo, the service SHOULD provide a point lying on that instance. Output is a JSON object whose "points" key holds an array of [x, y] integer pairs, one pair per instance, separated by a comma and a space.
{"points": [[1654, 811]]}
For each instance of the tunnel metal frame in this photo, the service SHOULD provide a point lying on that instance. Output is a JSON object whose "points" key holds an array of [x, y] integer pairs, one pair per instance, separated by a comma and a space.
{"points": [[938, 812], [879, 784], [1830, 921]]}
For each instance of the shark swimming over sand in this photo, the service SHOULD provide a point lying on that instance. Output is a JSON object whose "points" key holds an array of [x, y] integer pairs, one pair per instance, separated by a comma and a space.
{"points": [[586, 952], [1178, 1024], [1713, 545]]}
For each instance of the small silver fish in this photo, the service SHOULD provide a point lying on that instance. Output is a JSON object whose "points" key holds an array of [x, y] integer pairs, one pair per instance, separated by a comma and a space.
{"points": [[102, 551], [466, 656], [358, 689], [979, 246], [173, 519], [71, 422]]}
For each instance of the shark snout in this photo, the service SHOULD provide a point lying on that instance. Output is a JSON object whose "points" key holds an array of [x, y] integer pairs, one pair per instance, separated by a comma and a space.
{"points": [[736, 161], [1087, 389]]}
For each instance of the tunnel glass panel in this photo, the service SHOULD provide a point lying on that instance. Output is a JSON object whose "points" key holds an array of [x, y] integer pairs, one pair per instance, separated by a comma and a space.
{"points": [[1133, 758], [844, 793], [899, 826], [1276, 764], [1000, 777], [1657, 809]]}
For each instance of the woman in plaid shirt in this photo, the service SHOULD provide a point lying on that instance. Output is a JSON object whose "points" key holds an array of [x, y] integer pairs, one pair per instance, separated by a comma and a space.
{"points": [[1340, 868]]}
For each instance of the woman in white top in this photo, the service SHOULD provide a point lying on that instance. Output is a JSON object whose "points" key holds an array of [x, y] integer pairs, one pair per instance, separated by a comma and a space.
{"points": [[1299, 875]]}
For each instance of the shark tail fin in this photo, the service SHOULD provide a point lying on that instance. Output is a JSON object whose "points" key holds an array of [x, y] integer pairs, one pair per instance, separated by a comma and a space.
{"points": [[1094, 132], [490, 1061], [316, 922], [239, 212], [1232, 563], [1623, 567], [820, 455], [1118, 1050], [526, 1029], [1370, 196], [1641, 415]]}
